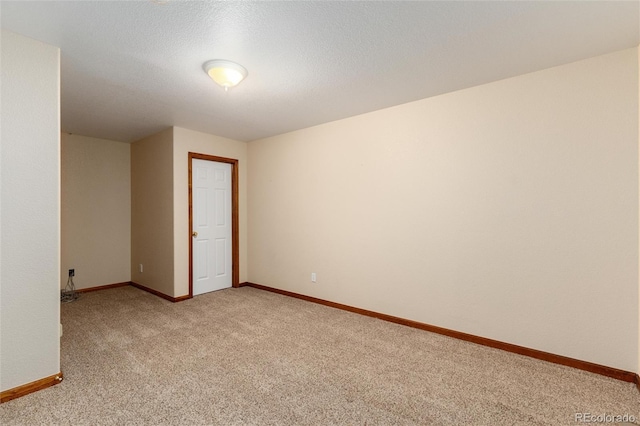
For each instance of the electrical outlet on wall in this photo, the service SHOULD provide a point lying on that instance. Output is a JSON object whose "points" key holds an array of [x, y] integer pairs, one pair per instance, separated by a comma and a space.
{"points": [[141, 268], [72, 272], [314, 277]]}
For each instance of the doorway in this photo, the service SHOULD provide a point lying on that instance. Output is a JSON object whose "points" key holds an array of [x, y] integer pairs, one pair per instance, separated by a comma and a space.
{"points": [[213, 223]]}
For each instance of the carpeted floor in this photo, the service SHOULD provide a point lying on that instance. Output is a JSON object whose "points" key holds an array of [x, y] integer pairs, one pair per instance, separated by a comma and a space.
{"points": [[249, 357]]}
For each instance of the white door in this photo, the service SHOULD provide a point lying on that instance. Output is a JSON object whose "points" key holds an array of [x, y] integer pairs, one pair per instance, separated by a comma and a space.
{"points": [[211, 234]]}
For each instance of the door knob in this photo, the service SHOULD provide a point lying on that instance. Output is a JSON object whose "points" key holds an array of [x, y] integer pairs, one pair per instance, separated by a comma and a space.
{"points": [[194, 234]]}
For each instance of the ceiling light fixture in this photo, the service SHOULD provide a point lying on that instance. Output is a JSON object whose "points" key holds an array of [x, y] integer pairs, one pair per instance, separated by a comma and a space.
{"points": [[226, 73]]}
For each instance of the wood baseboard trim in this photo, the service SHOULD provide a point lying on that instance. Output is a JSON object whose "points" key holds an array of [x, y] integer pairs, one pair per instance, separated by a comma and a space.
{"points": [[638, 382], [157, 293], [140, 286], [102, 287], [615, 373], [28, 388], [244, 284]]}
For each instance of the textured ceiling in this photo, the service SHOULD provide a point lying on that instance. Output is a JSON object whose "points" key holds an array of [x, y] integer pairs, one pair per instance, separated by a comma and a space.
{"points": [[132, 68]]}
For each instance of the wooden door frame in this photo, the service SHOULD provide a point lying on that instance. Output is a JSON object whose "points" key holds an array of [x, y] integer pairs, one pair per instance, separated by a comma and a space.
{"points": [[235, 238]]}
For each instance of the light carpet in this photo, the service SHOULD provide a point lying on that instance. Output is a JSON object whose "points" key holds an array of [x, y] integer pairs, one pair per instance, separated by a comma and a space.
{"points": [[250, 357]]}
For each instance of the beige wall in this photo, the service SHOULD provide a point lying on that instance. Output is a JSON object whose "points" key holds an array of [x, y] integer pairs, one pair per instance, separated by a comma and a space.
{"points": [[160, 201], [508, 210], [96, 211], [152, 212], [185, 141], [30, 214]]}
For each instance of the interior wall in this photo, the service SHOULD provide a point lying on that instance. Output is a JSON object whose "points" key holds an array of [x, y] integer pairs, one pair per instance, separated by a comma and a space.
{"points": [[96, 211], [185, 141], [29, 211], [152, 212], [507, 210]]}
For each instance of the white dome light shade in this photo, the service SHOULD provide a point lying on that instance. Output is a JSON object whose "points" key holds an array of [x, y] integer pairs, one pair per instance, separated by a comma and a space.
{"points": [[226, 73]]}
